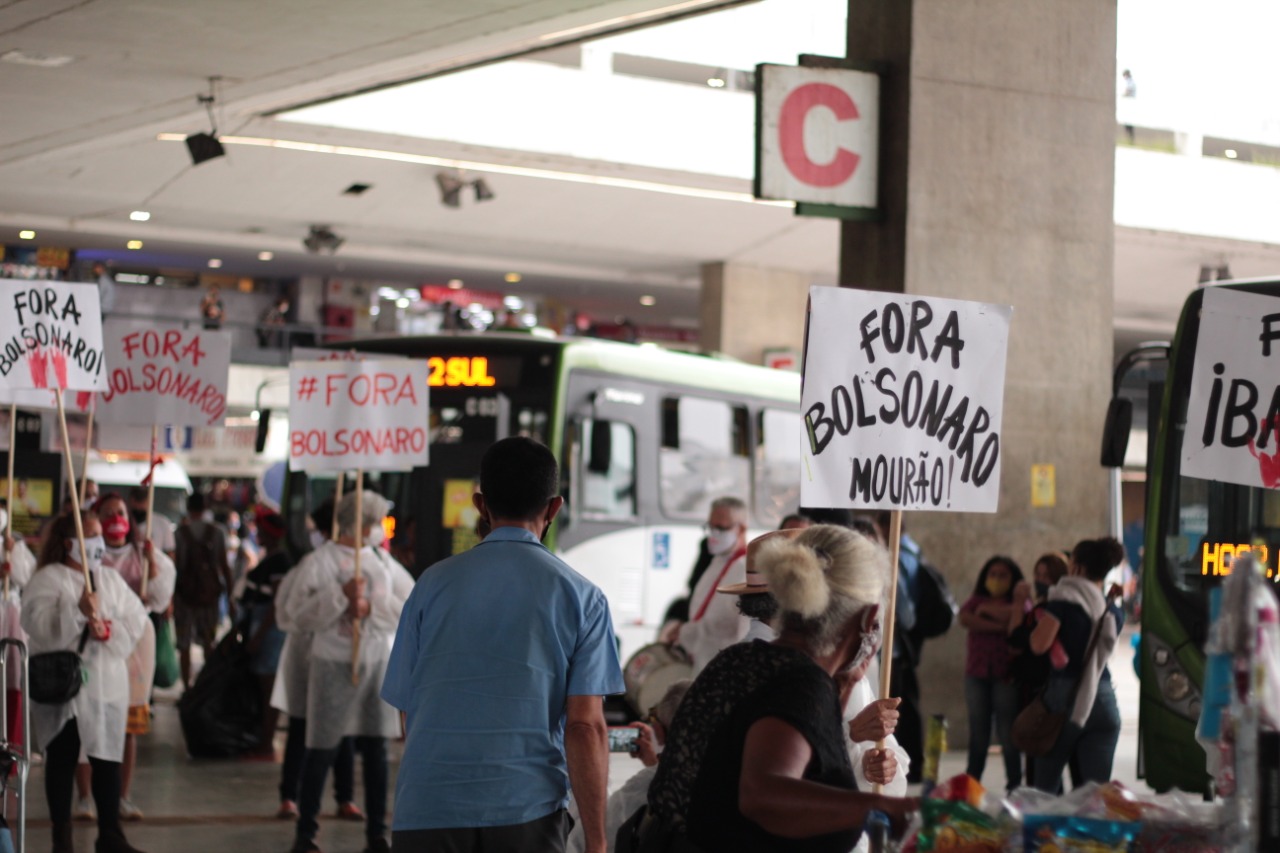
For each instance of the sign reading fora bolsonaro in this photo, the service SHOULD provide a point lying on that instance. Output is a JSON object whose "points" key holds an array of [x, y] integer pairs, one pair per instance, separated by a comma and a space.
{"points": [[1233, 414], [902, 401]]}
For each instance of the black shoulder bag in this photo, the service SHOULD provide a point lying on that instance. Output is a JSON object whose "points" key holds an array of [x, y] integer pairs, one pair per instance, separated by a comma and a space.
{"points": [[1036, 729], [54, 678]]}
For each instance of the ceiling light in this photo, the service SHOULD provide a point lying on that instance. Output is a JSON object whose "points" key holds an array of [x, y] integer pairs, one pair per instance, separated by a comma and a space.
{"points": [[450, 189], [265, 256], [412, 294], [492, 168], [321, 239], [402, 302], [39, 60], [512, 277], [26, 235], [648, 301], [205, 146], [715, 82], [215, 263], [515, 303], [1231, 153], [140, 216], [455, 284], [133, 244]]}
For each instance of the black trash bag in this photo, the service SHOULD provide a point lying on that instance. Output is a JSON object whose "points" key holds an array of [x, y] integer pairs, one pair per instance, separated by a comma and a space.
{"points": [[221, 714]]}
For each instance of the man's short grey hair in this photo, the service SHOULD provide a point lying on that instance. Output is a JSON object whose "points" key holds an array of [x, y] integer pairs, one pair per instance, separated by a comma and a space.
{"points": [[667, 706], [737, 506], [374, 508]]}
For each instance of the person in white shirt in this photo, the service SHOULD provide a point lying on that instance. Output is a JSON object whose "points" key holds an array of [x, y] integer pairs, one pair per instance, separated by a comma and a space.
{"points": [[60, 614], [17, 567], [714, 622], [322, 597]]}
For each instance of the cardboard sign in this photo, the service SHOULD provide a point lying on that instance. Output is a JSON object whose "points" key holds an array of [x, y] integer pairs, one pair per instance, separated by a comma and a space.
{"points": [[369, 415], [164, 375], [902, 402], [1233, 414], [50, 335]]}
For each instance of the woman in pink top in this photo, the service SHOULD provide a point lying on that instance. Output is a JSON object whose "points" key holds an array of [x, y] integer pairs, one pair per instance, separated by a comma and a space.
{"points": [[989, 692]]}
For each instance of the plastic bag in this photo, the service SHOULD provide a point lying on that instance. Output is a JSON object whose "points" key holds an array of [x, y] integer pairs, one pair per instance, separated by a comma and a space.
{"points": [[221, 714], [167, 669]]}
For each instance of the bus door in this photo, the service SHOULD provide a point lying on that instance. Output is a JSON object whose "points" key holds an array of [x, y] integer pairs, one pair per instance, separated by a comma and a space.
{"points": [[609, 440]]}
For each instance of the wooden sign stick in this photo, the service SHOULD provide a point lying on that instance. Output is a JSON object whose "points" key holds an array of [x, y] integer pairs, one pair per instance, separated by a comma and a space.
{"points": [[75, 497], [8, 526], [355, 623], [337, 496], [151, 503], [886, 645]]}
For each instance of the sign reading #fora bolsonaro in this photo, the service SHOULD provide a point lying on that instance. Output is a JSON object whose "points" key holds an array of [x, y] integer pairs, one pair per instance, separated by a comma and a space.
{"points": [[902, 401]]}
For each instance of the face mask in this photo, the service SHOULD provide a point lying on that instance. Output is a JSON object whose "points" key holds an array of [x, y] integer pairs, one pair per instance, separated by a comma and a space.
{"points": [[867, 647], [94, 548], [998, 587], [721, 541], [1042, 589], [4, 519], [376, 536], [115, 527], [316, 538]]}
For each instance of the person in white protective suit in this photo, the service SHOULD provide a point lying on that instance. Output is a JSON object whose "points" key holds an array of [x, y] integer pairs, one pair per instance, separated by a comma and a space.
{"points": [[60, 614], [17, 567], [131, 560], [324, 598], [714, 622]]}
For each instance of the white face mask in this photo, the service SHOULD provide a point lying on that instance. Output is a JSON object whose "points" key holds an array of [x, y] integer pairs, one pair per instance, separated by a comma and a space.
{"points": [[376, 536], [4, 520], [721, 541], [316, 538], [94, 548]]}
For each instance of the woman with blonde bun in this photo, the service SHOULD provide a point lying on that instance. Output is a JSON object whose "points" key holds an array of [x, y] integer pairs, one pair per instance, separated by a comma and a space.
{"points": [[755, 759]]}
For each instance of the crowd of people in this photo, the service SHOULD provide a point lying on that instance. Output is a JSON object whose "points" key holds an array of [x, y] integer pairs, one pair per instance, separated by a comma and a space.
{"points": [[495, 663]]}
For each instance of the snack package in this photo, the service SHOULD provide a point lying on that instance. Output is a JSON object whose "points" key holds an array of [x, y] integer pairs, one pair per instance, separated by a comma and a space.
{"points": [[1068, 834], [957, 827], [960, 789]]}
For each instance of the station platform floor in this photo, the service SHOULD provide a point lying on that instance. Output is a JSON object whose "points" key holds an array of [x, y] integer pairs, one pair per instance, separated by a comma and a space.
{"points": [[204, 806]]}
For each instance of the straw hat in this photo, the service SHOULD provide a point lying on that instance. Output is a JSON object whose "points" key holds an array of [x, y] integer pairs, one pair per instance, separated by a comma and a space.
{"points": [[755, 584]]}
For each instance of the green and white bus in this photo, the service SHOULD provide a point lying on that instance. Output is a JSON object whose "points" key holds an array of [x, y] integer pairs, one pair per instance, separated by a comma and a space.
{"points": [[646, 439], [1193, 529]]}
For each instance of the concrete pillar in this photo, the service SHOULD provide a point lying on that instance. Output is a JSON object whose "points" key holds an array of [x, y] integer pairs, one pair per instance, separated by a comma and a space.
{"points": [[748, 309], [997, 186]]}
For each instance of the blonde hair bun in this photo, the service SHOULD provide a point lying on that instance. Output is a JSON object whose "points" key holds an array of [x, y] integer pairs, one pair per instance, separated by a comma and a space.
{"points": [[796, 576]]}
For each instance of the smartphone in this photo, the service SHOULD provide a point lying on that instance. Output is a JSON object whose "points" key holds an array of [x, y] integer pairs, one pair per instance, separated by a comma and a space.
{"points": [[623, 738]]}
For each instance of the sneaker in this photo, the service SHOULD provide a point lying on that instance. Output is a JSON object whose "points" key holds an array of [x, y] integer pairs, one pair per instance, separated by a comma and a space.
{"points": [[349, 811], [128, 811], [378, 845], [288, 810], [84, 810]]}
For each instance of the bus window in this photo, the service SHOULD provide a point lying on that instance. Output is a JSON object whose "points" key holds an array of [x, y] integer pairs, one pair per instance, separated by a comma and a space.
{"points": [[704, 454], [608, 470], [777, 458]]}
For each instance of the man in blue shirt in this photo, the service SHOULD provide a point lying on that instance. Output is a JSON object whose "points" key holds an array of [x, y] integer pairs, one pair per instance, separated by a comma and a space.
{"points": [[500, 664]]}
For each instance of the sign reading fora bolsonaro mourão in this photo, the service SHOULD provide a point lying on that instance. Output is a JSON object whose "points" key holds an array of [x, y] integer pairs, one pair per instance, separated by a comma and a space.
{"points": [[902, 401], [346, 415], [1233, 414], [164, 375]]}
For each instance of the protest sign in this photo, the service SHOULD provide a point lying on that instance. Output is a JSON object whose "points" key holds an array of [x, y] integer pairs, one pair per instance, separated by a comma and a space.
{"points": [[902, 401], [50, 335], [164, 375], [369, 415], [1233, 414]]}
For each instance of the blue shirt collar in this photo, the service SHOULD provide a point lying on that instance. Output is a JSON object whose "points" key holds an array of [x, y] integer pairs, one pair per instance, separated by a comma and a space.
{"points": [[512, 534]]}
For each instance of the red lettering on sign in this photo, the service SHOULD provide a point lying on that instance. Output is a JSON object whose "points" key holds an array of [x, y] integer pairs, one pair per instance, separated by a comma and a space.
{"points": [[791, 134]]}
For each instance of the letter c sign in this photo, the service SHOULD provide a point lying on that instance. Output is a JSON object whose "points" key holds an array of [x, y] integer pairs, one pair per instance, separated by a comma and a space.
{"points": [[795, 109], [818, 135]]}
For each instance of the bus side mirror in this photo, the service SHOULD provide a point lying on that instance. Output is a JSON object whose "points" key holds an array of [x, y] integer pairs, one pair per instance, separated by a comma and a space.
{"points": [[1115, 433], [264, 423], [600, 454]]}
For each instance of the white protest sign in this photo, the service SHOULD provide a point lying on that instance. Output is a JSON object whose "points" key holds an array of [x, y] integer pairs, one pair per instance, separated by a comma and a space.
{"points": [[164, 375], [315, 354], [50, 335], [369, 415], [1233, 414], [44, 398], [902, 402]]}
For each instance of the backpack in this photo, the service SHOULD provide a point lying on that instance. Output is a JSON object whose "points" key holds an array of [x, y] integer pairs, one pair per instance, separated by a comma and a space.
{"points": [[936, 607], [199, 582]]}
